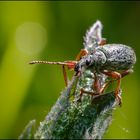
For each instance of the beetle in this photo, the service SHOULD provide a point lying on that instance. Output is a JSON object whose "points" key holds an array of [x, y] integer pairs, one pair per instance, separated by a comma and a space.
{"points": [[107, 60], [113, 60]]}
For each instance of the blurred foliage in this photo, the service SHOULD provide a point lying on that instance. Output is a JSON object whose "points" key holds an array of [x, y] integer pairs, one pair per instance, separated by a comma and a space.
{"points": [[54, 31]]}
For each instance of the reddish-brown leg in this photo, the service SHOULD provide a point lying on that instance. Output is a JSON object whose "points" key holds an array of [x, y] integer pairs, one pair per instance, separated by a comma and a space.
{"points": [[126, 72], [88, 92], [123, 74], [96, 84], [82, 91], [70, 65], [102, 89], [81, 53], [116, 76], [102, 42]]}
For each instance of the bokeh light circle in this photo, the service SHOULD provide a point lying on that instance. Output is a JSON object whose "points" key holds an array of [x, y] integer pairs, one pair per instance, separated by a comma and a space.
{"points": [[31, 38]]}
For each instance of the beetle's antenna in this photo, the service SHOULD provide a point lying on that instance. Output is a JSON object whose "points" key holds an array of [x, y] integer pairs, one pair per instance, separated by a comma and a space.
{"points": [[69, 64], [48, 62]]}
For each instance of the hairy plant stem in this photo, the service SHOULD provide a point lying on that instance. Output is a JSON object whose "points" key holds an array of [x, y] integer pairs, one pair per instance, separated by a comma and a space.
{"points": [[70, 118]]}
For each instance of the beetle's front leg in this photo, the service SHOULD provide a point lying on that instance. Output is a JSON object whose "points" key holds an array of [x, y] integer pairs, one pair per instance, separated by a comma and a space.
{"points": [[82, 91], [116, 76], [70, 65]]}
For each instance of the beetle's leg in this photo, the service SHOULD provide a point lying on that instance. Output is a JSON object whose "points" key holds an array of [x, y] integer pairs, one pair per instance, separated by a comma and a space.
{"points": [[116, 76], [126, 72], [81, 53], [102, 89], [70, 65], [102, 42], [88, 92], [82, 91], [96, 84], [123, 74]]}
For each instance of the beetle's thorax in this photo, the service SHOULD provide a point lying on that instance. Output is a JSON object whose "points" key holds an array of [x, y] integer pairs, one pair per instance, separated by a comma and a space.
{"points": [[97, 58]]}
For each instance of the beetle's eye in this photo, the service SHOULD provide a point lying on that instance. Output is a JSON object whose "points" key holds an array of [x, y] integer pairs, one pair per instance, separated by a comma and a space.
{"points": [[87, 62], [76, 67]]}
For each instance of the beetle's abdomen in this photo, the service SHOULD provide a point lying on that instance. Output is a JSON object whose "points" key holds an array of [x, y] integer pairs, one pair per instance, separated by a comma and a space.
{"points": [[119, 57]]}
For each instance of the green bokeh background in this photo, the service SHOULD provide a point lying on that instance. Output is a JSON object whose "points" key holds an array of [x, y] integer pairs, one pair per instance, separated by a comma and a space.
{"points": [[54, 31]]}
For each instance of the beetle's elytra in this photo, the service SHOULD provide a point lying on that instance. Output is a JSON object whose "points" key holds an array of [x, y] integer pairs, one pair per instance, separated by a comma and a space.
{"points": [[114, 57]]}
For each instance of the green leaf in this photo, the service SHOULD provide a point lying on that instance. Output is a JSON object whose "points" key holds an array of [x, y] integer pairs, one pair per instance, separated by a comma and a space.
{"points": [[28, 132]]}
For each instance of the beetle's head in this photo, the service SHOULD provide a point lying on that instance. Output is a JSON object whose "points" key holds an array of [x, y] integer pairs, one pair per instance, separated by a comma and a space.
{"points": [[95, 59], [82, 65]]}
